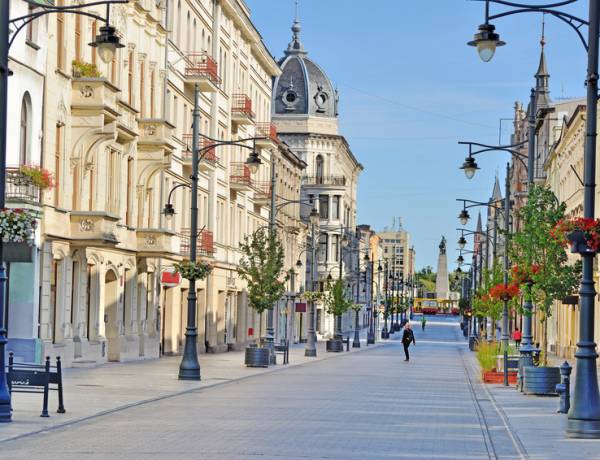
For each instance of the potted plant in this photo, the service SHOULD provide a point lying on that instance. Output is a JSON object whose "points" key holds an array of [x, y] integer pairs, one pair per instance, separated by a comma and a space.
{"points": [[336, 304], [81, 69], [38, 176], [538, 248], [261, 267], [504, 292], [582, 234], [17, 227], [193, 270]]}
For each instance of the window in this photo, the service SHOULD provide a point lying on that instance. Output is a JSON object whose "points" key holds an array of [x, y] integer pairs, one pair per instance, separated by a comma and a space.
{"points": [[88, 299], [60, 38], [152, 91], [319, 170], [335, 207], [336, 248], [25, 130], [324, 206], [128, 203], [94, 33], [78, 37], [179, 23], [322, 250], [143, 89], [58, 145], [130, 78]]}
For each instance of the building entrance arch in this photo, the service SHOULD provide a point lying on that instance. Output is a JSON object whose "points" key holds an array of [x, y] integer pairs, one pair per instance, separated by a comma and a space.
{"points": [[111, 307]]}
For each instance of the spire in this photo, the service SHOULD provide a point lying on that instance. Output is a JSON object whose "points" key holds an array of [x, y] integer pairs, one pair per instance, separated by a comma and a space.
{"points": [[497, 192], [479, 228], [542, 76], [295, 46]]}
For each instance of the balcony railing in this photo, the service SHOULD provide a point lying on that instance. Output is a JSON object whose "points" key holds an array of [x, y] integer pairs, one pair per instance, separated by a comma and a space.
{"points": [[324, 180], [210, 154], [267, 130], [202, 65], [241, 105], [262, 191], [240, 175], [20, 189], [205, 245]]}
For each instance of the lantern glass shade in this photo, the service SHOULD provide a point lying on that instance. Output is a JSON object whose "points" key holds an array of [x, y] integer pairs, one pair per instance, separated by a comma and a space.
{"points": [[462, 242], [486, 41], [464, 217], [107, 42], [299, 263], [469, 167], [169, 211], [253, 162]]}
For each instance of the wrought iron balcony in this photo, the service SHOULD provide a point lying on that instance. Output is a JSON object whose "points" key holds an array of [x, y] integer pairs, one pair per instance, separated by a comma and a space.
{"points": [[19, 189], [202, 69], [205, 246], [241, 109], [240, 178], [209, 156], [268, 134], [262, 193], [338, 181]]}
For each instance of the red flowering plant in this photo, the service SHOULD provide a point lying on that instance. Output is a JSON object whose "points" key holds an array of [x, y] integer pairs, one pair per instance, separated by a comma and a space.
{"points": [[523, 274], [575, 232], [541, 264], [37, 176], [504, 292]]}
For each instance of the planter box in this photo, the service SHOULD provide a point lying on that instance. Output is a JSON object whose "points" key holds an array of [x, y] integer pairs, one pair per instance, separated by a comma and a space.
{"points": [[498, 377], [540, 380], [334, 345], [257, 357], [17, 252]]}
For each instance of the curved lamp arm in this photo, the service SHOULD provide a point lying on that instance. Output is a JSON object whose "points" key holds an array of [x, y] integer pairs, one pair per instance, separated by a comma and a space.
{"points": [[22, 21]]}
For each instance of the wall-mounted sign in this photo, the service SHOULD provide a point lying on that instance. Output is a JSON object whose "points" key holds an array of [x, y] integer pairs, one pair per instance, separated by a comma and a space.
{"points": [[170, 279], [301, 307]]}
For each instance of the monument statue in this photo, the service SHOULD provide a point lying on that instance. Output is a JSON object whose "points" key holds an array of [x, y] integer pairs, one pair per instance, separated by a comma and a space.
{"points": [[442, 282], [443, 245]]}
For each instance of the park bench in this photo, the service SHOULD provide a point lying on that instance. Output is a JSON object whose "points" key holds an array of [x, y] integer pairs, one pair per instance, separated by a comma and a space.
{"points": [[37, 378]]}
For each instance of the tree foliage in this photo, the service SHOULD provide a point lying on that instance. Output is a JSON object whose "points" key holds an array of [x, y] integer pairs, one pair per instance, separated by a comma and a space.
{"points": [[534, 245], [261, 267], [335, 300]]}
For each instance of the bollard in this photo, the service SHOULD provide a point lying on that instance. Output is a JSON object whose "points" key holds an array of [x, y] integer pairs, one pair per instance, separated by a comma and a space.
{"points": [[348, 343], [564, 388]]}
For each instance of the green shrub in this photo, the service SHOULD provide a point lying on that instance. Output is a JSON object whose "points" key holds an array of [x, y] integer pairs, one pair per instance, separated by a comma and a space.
{"points": [[486, 355], [82, 69]]}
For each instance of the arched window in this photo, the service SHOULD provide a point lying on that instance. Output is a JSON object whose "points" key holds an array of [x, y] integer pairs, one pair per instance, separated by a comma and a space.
{"points": [[188, 32], [319, 169], [25, 130], [179, 20]]}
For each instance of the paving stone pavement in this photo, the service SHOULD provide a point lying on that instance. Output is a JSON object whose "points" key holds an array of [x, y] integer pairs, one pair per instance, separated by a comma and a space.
{"points": [[367, 405]]}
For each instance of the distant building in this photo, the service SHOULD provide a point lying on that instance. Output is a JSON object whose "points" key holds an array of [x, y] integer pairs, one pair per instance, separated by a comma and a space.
{"points": [[305, 112]]}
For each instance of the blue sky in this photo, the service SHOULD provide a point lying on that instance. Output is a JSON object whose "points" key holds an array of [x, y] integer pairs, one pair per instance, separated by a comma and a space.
{"points": [[410, 88]]}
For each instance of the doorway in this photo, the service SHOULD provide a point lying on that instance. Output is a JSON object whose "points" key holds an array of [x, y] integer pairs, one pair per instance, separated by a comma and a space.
{"points": [[111, 288]]}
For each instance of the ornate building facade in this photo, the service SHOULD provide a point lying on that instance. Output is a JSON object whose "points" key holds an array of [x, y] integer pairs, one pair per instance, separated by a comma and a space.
{"points": [[305, 111], [117, 138]]}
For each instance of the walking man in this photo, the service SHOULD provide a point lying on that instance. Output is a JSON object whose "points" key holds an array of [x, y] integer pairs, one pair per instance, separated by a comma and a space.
{"points": [[407, 338], [423, 322]]}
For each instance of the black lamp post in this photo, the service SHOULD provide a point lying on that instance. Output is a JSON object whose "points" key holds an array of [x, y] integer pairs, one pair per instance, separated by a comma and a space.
{"points": [[356, 341], [189, 368], [584, 416], [107, 43]]}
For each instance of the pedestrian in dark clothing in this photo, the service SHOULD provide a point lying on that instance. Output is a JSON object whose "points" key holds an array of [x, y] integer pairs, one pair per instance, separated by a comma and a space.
{"points": [[407, 338]]}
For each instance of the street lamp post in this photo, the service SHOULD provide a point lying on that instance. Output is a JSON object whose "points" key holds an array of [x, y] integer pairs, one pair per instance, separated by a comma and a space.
{"points": [[107, 43], [189, 369], [311, 336], [584, 415]]}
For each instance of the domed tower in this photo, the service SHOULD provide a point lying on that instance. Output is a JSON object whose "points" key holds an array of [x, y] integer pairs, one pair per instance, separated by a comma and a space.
{"points": [[305, 111], [303, 95]]}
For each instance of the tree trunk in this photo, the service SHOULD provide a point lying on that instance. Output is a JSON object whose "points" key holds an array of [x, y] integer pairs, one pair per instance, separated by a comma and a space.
{"points": [[544, 341]]}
